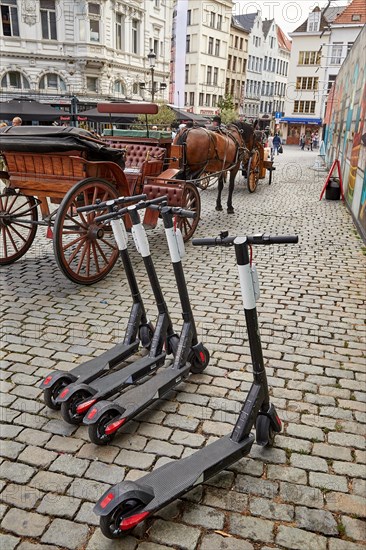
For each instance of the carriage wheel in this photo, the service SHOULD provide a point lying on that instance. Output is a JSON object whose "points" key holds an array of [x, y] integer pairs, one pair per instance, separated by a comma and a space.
{"points": [[206, 180], [253, 171], [85, 251], [18, 217], [191, 200]]}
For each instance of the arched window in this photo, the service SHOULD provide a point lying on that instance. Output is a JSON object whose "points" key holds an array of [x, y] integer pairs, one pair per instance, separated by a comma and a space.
{"points": [[119, 88], [14, 79], [51, 81]]}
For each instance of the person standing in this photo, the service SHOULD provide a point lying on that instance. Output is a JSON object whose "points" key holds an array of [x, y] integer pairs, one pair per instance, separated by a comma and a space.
{"points": [[17, 121], [270, 143], [302, 142], [276, 143]]}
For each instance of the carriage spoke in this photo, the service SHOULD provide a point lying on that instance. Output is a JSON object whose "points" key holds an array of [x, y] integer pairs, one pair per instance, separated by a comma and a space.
{"points": [[4, 242], [77, 249], [17, 232], [101, 252], [12, 240], [20, 213], [73, 242], [111, 245], [67, 216], [95, 255], [81, 261], [88, 259]]}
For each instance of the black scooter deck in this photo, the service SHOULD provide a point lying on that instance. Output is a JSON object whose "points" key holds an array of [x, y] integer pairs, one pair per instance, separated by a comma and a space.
{"points": [[108, 359], [128, 375], [176, 478], [140, 397]]}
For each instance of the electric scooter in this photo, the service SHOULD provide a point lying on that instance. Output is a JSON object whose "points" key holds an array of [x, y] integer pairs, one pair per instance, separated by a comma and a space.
{"points": [[76, 399], [107, 417], [128, 503], [139, 329]]}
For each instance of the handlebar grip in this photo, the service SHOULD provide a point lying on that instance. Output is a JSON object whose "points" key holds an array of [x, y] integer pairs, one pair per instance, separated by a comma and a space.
{"points": [[272, 239], [184, 213], [111, 215], [119, 200], [214, 241]]}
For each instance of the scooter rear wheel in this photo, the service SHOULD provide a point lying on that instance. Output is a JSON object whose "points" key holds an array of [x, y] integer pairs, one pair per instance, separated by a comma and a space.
{"points": [[110, 524], [198, 365], [50, 394], [96, 431], [68, 408], [265, 434]]}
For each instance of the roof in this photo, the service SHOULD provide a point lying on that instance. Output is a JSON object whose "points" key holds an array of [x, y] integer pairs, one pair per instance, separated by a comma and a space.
{"points": [[235, 23], [327, 16], [266, 24], [282, 39], [246, 20], [356, 7]]}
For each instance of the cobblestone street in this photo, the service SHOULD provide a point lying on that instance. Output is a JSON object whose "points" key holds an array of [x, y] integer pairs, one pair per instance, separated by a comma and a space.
{"points": [[307, 492]]}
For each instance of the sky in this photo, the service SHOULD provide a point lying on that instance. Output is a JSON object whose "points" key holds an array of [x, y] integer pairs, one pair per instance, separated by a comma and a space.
{"points": [[288, 14]]}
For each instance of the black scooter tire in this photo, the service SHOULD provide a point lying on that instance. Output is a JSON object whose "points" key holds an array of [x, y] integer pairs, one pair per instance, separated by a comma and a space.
{"points": [[197, 365], [96, 431], [68, 408], [50, 394], [265, 434], [108, 523]]}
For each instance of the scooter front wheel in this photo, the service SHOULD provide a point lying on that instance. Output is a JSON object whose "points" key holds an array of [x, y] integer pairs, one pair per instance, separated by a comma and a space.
{"points": [[146, 334], [265, 434], [69, 408], [198, 364], [110, 525], [50, 394], [96, 431]]}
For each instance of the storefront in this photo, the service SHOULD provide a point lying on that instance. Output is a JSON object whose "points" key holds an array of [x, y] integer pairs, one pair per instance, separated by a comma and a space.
{"points": [[293, 128]]}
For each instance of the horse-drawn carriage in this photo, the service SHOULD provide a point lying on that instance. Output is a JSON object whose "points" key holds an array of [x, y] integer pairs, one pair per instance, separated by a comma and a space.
{"points": [[58, 169]]}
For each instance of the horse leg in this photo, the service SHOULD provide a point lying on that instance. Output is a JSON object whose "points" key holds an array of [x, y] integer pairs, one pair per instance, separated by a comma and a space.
{"points": [[230, 208], [219, 191]]}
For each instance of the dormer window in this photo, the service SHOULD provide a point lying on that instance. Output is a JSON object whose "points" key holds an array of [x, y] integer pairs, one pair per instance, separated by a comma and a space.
{"points": [[356, 17], [314, 21]]}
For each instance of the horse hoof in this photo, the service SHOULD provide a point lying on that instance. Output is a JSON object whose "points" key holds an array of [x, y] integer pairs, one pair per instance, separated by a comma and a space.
{"points": [[218, 207], [230, 210]]}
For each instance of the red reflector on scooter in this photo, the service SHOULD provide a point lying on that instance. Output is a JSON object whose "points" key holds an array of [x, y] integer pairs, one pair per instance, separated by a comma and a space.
{"points": [[279, 421], [106, 500], [130, 523], [92, 413], [83, 407], [113, 427], [47, 380], [64, 393], [202, 356]]}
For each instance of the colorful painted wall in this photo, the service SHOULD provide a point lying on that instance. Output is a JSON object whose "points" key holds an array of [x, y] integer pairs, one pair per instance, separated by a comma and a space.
{"points": [[345, 136]]}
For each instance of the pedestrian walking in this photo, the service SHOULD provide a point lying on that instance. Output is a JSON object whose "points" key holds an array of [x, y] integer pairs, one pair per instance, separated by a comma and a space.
{"points": [[270, 143], [277, 142], [302, 142], [17, 121]]}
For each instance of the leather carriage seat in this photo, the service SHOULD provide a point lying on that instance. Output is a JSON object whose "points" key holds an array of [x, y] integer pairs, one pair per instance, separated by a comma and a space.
{"points": [[137, 154]]}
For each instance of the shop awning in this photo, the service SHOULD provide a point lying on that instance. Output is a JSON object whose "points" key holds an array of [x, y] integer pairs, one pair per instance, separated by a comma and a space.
{"points": [[292, 120]]}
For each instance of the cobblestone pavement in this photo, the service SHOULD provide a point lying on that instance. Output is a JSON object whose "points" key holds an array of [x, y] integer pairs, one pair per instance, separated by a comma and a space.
{"points": [[305, 493]]}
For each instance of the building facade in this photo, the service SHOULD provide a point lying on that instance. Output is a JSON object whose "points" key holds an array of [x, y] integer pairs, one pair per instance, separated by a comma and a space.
{"points": [[200, 49], [307, 84], [237, 65], [65, 52]]}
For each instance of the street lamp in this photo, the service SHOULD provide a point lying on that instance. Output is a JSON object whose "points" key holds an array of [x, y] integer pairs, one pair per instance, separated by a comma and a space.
{"points": [[152, 58]]}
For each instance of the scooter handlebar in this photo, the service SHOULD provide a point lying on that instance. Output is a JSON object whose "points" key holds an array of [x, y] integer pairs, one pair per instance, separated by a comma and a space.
{"points": [[123, 211], [175, 210], [250, 239], [100, 205]]}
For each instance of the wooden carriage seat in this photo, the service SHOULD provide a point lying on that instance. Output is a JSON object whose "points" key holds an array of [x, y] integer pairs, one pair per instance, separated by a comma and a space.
{"points": [[141, 161]]}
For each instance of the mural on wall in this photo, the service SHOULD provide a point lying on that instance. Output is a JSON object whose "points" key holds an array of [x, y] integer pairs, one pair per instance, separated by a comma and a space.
{"points": [[346, 128]]}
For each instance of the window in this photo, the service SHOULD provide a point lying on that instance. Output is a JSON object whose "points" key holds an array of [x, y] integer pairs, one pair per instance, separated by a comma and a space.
{"points": [[14, 79], [135, 35], [191, 98], [210, 45], [200, 100], [120, 23], [9, 17], [336, 55], [119, 88], [48, 19], [265, 63], [157, 4], [155, 47], [189, 17], [229, 63], [217, 48], [234, 63], [214, 100], [188, 43], [215, 75], [236, 42], [94, 21], [241, 44], [209, 75], [219, 22], [349, 46], [92, 83], [208, 100], [304, 107], [356, 17], [186, 80], [212, 19], [313, 22], [308, 58], [331, 80], [52, 81]]}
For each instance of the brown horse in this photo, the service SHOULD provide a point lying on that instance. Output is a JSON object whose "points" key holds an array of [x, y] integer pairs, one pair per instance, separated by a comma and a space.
{"points": [[219, 151]]}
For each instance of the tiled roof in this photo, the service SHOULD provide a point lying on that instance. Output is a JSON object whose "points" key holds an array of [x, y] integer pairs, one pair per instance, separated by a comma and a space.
{"points": [[266, 24], [283, 41], [327, 17], [246, 20], [356, 7]]}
